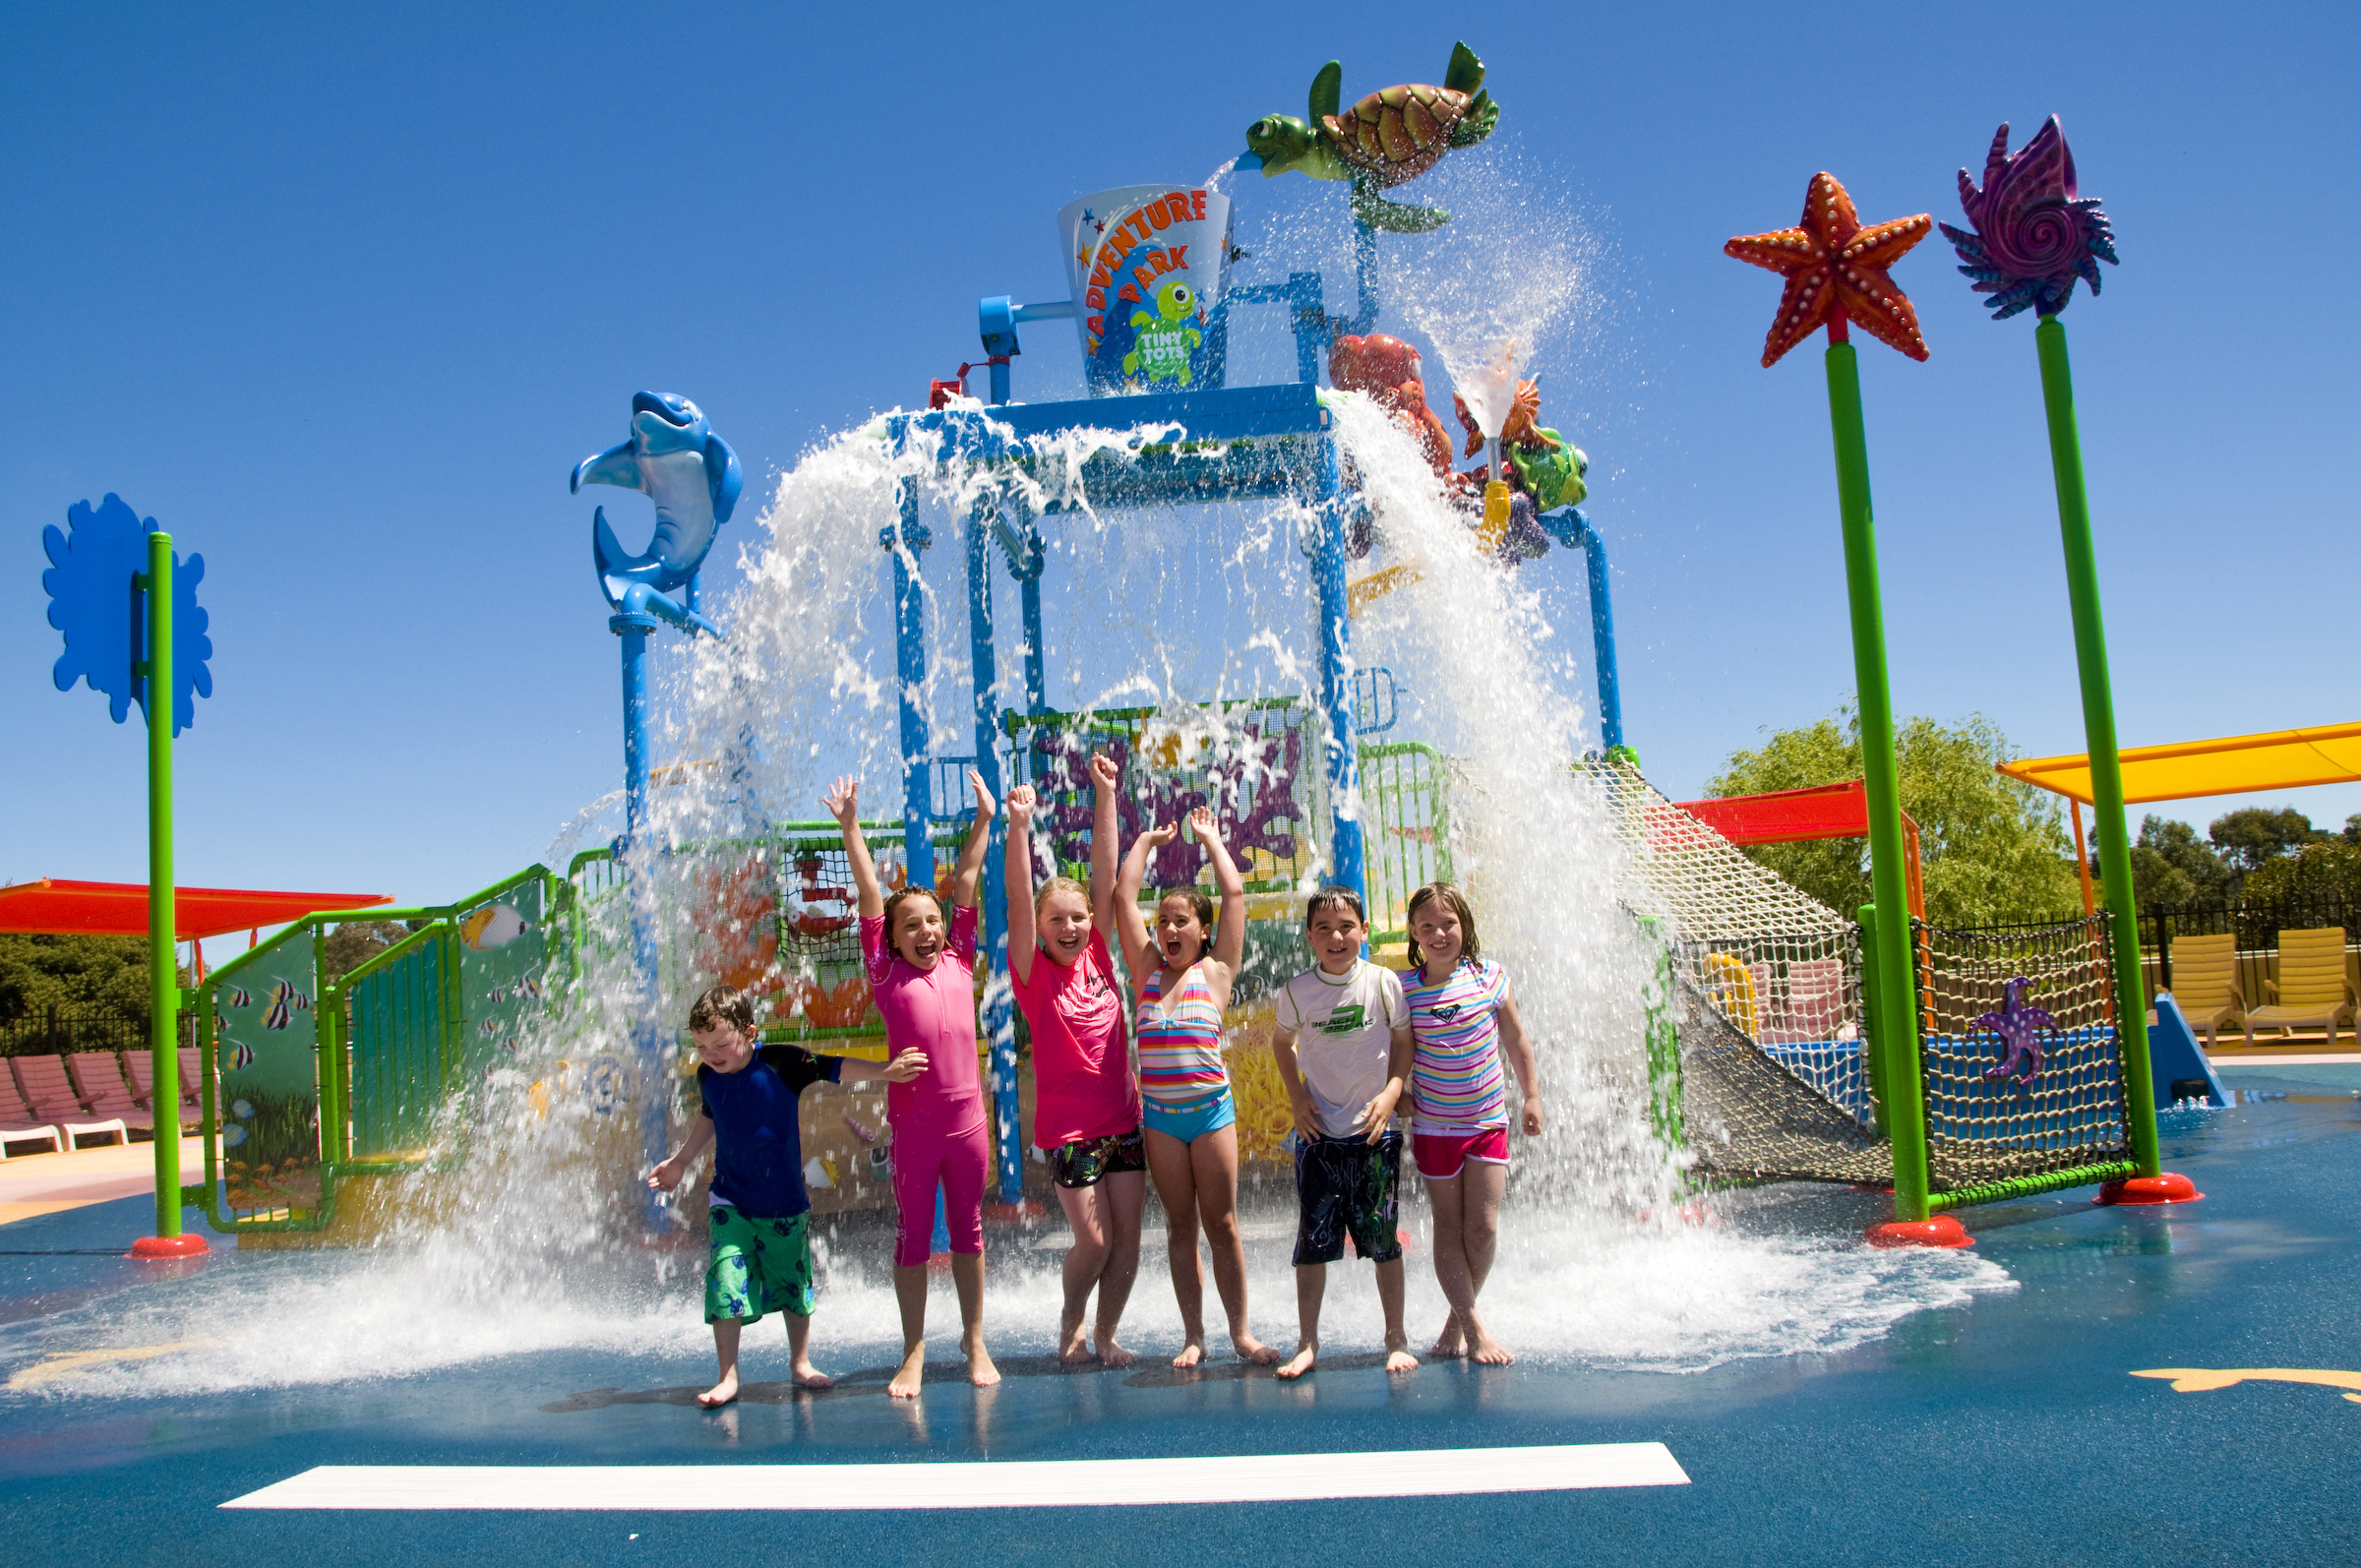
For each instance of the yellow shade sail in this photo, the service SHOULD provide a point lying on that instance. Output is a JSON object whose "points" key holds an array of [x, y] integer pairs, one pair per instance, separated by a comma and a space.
{"points": [[2235, 764]]}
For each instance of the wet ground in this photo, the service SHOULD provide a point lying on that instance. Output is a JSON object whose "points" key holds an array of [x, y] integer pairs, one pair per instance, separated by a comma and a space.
{"points": [[2008, 1429]]}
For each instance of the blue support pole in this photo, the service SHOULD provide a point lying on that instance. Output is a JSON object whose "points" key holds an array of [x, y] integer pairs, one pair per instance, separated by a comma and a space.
{"points": [[1000, 1024], [1365, 265], [904, 541], [648, 1034], [1037, 680], [1336, 676], [1603, 635]]}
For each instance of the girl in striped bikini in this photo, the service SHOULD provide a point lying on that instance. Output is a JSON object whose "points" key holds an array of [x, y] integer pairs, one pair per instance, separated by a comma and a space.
{"points": [[1191, 1118], [1462, 1021]]}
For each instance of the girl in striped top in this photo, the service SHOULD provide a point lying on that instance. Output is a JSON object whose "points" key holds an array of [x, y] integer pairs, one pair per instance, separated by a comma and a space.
{"points": [[1191, 1118], [1462, 1020]]}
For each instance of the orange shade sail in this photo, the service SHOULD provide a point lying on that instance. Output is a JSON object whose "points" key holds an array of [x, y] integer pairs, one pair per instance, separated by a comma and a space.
{"points": [[54, 907], [2234, 764]]}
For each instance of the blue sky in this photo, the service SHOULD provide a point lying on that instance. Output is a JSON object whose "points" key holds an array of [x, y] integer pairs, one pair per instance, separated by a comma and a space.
{"points": [[340, 295]]}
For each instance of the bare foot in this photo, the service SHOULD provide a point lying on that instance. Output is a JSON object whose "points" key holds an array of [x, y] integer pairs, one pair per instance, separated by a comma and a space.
{"points": [[913, 1368], [1489, 1351], [1114, 1355], [1451, 1343], [809, 1376], [1190, 1354], [1073, 1345], [1399, 1359], [980, 1370], [720, 1393], [1251, 1348], [1300, 1361]]}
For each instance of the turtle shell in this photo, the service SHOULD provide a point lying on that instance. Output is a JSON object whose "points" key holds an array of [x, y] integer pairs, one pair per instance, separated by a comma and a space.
{"points": [[1397, 134]]}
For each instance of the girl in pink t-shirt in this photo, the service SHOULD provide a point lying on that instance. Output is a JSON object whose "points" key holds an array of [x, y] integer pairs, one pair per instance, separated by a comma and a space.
{"points": [[922, 974], [1086, 1097]]}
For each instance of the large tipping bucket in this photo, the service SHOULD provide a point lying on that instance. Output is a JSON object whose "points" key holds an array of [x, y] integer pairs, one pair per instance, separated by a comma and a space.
{"points": [[1147, 264]]}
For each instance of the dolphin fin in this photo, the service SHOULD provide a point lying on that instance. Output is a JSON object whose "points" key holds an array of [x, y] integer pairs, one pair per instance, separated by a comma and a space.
{"points": [[617, 569], [724, 476], [614, 466]]}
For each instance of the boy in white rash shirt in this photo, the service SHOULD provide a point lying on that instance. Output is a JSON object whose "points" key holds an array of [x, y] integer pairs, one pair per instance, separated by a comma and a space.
{"points": [[1342, 1045]]}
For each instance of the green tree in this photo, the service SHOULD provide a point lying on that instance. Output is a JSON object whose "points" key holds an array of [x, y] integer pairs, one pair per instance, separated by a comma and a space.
{"points": [[2251, 838], [106, 973], [2172, 866], [356, 941], [1994, 848], [2325, 868]]}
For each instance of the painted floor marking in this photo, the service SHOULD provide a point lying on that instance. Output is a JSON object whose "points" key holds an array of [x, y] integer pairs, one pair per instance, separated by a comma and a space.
{"points": [[1013, 1484]]}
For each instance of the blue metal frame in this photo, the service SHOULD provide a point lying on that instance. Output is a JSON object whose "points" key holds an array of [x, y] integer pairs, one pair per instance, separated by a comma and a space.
{"points": [[904, 542], [1571, 528], [1000, 1024]]}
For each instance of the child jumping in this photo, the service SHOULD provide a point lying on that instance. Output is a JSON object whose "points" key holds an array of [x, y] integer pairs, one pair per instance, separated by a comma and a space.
{"points": [[761, 1248], [1191, 1119], [1462, 1021], [922, 973], [1086, 1101], [1343, 1048]]}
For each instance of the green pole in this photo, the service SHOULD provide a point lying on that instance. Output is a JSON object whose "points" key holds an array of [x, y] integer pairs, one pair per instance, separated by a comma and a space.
{"points": [[2099, 734], [1896, 1022], [163, 979]]}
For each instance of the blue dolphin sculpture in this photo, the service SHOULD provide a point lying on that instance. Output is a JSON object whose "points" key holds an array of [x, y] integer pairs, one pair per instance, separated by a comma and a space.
{"points": [[693, 476]]}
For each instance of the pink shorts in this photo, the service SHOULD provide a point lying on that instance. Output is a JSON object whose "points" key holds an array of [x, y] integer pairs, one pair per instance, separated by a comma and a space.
{"points": [[1441, 1154]]}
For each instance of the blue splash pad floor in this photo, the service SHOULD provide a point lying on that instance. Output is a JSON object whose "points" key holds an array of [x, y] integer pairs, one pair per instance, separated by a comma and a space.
{"points": [[2009, 1430]]}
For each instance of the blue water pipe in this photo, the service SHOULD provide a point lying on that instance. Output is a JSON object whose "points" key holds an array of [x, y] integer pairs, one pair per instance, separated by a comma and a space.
{"points": [[1000, 1024], [1572, 529], [905, 542], [1336, 674]]}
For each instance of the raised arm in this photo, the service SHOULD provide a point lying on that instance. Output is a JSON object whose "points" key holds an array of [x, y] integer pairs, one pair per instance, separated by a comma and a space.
{"points": [[1229, 926], [1127, 920], [970, 871], [843, 801], [1104, 776], [1517, 1046], [1019, 871]]}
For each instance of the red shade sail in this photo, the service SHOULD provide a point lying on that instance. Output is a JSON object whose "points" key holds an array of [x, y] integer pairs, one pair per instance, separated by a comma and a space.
{"points": [[54, 907], [1825, 810]]}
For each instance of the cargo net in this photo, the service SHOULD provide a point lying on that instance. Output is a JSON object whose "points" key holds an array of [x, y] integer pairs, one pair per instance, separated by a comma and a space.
{"points": [[1768, 983], [2016, 1038]]}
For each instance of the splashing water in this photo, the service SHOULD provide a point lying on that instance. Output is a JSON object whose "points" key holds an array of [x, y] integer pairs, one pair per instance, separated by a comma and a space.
{"points": [[526, 1234]]}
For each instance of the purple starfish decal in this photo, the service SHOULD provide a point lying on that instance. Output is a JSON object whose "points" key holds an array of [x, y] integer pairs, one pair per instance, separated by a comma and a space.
{"points": [[2019, 1029], [2033, 234]]}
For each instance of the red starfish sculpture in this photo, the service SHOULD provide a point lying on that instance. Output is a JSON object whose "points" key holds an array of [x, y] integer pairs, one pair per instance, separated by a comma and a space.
{"points": [[1835, 270]]}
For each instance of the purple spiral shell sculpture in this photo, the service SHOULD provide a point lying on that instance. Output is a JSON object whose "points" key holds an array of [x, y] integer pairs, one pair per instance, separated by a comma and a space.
{"points": [[2033, 235]]}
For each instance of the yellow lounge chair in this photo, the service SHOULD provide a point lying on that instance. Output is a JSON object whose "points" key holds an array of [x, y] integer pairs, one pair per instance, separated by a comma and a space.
{"points": [[2311, 987], [2205, 982]]}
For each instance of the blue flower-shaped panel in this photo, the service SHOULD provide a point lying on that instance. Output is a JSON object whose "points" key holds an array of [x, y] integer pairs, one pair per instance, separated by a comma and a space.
{"points": [[95, 600]]}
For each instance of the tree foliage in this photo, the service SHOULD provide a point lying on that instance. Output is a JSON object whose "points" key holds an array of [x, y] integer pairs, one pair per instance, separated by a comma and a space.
{"points": [[356, 941], [2251, 856], [106, 973], [1994, 849]]}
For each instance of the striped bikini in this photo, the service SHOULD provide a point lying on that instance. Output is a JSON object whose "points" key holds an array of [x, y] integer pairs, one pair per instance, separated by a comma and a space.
{"points": [[1184, 1083]]}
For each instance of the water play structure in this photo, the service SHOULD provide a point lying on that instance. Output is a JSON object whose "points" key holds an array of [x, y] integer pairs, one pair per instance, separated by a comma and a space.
{"points": [[1716, 1025]]}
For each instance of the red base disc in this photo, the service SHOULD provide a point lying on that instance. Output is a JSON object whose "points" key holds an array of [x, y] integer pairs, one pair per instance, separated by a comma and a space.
{"points": [[2168, 1187], [185, 1245], [1944, 1231]]}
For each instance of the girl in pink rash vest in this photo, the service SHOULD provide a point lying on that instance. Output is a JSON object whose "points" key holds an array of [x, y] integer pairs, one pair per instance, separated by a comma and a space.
{"points": [[922, 973], [1086, 1098]]}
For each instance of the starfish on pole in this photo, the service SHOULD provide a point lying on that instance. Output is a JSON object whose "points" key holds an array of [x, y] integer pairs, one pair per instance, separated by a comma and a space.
{"points": [[1836, 271]]}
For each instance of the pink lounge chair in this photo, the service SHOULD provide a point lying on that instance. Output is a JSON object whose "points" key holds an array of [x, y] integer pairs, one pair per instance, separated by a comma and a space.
{"points": [[1811, 1009], [141, 1065], [19, 1125], [98, 1083], [51, 1097]]}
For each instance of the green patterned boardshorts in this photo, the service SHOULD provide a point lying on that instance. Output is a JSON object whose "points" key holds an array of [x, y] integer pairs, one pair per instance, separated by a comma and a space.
{"points": [[757, 1267]]}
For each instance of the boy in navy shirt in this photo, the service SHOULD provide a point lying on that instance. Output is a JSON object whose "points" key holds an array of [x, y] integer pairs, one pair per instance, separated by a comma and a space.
{"points": [[762, 1249]]}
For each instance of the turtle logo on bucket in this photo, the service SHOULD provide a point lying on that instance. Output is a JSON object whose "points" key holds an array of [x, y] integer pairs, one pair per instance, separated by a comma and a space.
{"points": [[1160, 342]]}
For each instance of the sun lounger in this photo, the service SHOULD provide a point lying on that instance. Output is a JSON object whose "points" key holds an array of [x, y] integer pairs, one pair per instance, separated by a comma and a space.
{"points": [[98, 1083], [2311, 989], [2205, 983], [51, 1097], [141, 1065], [17, 1124]]}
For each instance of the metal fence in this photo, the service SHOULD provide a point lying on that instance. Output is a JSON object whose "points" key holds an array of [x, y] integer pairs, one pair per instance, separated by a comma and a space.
{"points": [[2256, 926], [59, 1031]]}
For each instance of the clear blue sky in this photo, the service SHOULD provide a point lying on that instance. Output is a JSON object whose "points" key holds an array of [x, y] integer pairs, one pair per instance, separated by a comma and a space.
{"points": [[339, 295]]}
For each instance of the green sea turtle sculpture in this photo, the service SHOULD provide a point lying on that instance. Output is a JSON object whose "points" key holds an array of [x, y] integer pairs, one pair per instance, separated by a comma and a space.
{"points": [[1386, 139]]}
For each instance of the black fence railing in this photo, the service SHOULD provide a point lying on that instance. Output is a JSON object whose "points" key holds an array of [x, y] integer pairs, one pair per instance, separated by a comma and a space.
{"points": [[59, 1031], [2256, 926]]}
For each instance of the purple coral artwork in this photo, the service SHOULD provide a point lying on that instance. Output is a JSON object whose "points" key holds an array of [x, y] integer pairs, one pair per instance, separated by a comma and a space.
{"points": [[2034, 232], [2019, 1029]]}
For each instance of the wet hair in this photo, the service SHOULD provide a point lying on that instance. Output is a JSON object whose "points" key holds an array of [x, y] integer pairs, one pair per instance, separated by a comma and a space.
{"points": [[1468, 949], [1336, 895], [1199, 904], [719, 1006], [893, 907], [1058, 884]]}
